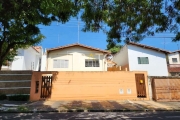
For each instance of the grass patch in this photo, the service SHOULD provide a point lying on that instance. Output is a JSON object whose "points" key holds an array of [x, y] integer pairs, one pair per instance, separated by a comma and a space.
{"points": [[22, 108]]}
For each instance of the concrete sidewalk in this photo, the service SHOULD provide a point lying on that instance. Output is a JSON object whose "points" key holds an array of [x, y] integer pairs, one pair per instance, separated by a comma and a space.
{"points": [[90, 106]]}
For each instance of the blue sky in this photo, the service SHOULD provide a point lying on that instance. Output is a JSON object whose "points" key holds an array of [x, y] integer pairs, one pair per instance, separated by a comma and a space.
{"points": [[58, 34]]}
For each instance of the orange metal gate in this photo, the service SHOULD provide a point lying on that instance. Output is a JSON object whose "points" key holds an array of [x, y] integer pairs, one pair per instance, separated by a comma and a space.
{"points": [[140, 85], [166, 89]]}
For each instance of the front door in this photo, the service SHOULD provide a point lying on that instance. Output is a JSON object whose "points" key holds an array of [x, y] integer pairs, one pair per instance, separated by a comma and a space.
{"points": [[140, 85]]}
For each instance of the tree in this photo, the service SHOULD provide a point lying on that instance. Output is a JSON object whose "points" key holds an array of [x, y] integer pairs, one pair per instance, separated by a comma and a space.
{"points": [[131, 19], [9, 57], [114, 49], [19, 20]]}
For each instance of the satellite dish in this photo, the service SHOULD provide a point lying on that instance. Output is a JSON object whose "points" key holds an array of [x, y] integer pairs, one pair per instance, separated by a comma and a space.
{"points": [[109, 57]]}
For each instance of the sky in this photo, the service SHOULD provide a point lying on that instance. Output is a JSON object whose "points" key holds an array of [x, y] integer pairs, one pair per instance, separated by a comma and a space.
{"points": [[58, 34]]}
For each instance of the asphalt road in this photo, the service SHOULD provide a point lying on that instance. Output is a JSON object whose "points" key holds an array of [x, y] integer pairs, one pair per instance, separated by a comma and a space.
{"points": [[92, 116]]}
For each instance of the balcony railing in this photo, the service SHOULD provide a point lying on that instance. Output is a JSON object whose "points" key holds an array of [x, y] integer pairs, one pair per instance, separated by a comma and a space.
{"points": [[173, 67]]}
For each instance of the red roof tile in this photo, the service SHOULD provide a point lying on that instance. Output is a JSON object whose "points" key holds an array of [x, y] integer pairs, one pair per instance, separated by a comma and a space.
{"points": [[37, 48], [80, 45], [148, 47]]}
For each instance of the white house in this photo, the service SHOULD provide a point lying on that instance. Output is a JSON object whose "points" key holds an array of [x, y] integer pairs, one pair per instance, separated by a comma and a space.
{"points": [[76, 57], [27, 59], [174, 63], [139, 57]]}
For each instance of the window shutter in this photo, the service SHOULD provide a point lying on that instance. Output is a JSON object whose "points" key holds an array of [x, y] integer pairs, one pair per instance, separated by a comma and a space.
{"points": [[60, 63]]}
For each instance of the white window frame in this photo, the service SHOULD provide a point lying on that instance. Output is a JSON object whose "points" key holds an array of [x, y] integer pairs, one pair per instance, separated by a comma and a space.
{"points": [[141, 60], [60, 63], [92, 63]]}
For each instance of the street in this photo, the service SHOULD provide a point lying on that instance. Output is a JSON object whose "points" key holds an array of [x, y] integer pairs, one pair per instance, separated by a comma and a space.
{"points": [[93, 115]]}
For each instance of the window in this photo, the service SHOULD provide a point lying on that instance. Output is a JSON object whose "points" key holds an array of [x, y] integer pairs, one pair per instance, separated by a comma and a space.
{"points": [[143, 60], [91, 63], [60, 63], [174, 60]]}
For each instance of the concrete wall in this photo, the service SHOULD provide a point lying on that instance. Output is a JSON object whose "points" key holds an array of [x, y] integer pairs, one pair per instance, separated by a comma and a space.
{"points": [[90, 85], [121, 58], [18, 63], [76, 57], [157, 61], [43, 62], [174, 55], [27, 59]]}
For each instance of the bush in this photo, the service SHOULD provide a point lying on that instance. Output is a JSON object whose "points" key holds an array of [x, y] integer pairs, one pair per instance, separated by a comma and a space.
{"points": [[3, 96], [19, 98]]}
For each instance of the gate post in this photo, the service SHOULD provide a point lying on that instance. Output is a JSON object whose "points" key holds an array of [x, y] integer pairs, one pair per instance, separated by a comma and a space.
{"points": [[149, 81], [35, 91]]}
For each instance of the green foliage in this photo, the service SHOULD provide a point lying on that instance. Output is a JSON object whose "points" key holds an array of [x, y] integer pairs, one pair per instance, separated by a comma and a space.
{"points": [[19, 98], [121, 20], [131, 19], [9, 57], [19, 20], [114, 49], [3, 96], [22, 108]]}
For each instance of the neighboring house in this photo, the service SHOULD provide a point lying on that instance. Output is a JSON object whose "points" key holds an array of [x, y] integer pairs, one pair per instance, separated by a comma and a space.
{"points": [[174, 63], [139, 57], [76, 57], [27, 59]]}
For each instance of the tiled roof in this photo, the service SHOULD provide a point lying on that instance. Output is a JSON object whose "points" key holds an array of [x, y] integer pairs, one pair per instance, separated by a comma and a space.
{"points": [[77, 44], [148, 47], [177, 51], [37, 48], [111, 62]]}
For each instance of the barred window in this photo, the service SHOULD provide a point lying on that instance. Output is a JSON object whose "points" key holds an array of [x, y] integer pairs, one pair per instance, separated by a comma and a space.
{"points": [[174, 60], [60, 63], [143, 60], [91, 63]]}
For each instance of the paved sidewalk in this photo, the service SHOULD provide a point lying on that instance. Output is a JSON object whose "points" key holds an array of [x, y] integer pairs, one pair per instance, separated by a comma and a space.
{"points": [[88, 106]]}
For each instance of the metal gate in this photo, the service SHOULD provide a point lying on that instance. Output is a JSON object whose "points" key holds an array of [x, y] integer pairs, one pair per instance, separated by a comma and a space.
{"points": [[46, 86], [140, 85], [165, 89]]}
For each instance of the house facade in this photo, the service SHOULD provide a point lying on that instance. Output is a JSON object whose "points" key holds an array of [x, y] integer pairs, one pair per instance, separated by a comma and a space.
{"points": [[76, 57], [27, 59], [174, 63], [139, 57]]}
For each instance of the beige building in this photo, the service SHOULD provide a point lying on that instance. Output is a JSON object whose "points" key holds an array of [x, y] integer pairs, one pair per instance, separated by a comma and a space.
{"points": [[76, 57]]}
